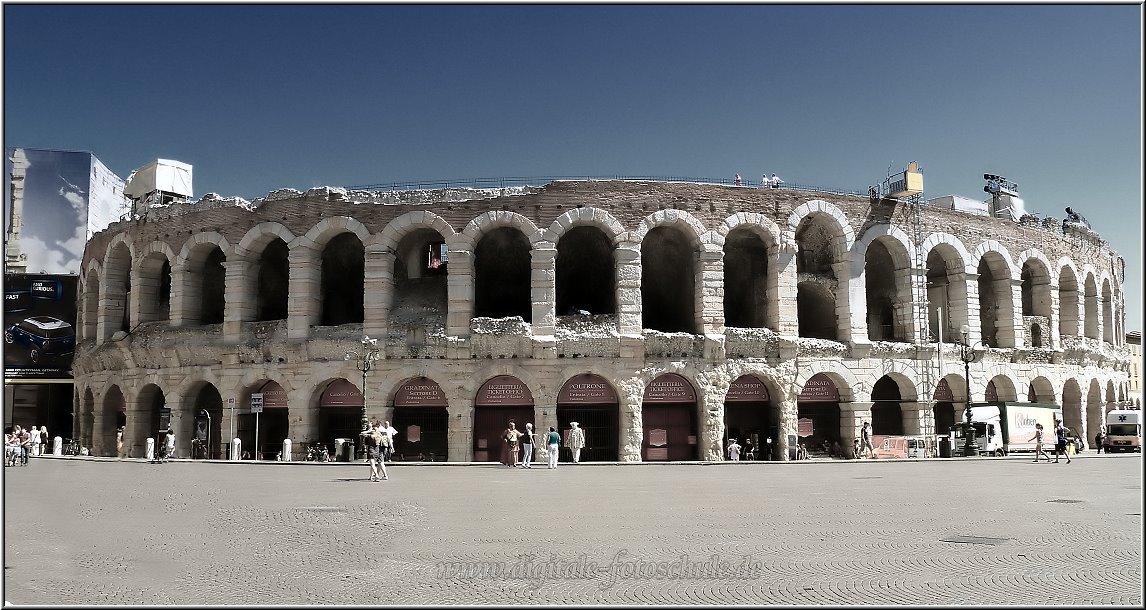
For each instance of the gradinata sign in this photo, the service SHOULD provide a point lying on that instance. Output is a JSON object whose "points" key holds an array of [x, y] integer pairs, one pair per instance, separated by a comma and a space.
{"points": [[819, 388], [420, 392]]}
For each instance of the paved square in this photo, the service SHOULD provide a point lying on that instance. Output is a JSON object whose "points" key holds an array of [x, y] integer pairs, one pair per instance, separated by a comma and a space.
{"points": [[988, 531]]}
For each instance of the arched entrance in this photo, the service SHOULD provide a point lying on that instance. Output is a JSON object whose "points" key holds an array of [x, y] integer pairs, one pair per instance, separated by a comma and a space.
{"points": [[590, 401], [114, 420], [272, 424], [669, 420], [886, 412], [500, 400], [211, 443], [944, 408], [819, 401], [750, 419], [339, 414], [422, 421], [155, 414]]}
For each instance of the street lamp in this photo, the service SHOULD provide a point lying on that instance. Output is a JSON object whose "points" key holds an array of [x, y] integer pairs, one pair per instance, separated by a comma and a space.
{"points": [[364, 362], [967, 355]]}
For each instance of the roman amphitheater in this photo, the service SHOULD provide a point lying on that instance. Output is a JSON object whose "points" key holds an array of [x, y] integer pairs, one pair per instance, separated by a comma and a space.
{"points": [[665, 317]]}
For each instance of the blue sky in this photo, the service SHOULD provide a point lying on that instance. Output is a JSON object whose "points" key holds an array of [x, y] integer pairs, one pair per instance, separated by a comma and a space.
{"points": [[265, 97]]}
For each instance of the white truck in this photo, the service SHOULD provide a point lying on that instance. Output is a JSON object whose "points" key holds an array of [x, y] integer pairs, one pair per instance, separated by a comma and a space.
{"points": [[1003, 427], [1124, 430]]}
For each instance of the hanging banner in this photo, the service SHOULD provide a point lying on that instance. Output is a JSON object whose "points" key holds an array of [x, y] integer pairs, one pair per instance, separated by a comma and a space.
{"points": [[670, 387], [587, 389], [747, 388]]}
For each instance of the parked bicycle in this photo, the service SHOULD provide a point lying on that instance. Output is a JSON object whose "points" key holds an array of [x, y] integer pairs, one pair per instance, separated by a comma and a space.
{"points": [[317, 453], [71, 447]]}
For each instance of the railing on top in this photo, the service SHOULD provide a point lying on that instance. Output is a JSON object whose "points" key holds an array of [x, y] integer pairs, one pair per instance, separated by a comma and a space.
{"points": [[537, 181]]}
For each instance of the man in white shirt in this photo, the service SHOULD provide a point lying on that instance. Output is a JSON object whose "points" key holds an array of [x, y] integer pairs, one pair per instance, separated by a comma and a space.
{"points": [[389, 431]]}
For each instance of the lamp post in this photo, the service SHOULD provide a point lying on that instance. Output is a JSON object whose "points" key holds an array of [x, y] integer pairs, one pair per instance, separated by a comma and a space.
{"points": [[364, 362], [967, 355]]}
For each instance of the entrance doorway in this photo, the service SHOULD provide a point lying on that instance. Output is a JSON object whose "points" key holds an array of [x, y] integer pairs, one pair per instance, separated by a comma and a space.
{"points": [[590, 401], [669, 420], [819, 401], [339, 415], [750, 419], [500, 400], [422, 422]]}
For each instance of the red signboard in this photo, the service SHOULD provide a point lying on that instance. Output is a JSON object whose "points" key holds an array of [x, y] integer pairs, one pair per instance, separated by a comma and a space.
{"points": [[413, 433], [819, 388], [889, 446], [658, 437], [341, 393], [670, 387], [587, 389], [804, 426], [747, 388], [943, 392], [420, 392], [273, 395], [504, 390]]}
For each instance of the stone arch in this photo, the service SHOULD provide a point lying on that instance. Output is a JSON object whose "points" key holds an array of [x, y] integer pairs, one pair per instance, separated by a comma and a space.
{"points": [[195, 249], [113, 412], [1005, 387], [199, 285], [333, 226], [883, 258], [585, 270], [1036, 296], [768, 231], [846, 381], [817, 207], [115, 315], [751, 243], [484, 223], [672, 277], [154, 286], [1003, 262], [585, 216], [996, 298], [257, 237], [340, 256], [1043, 389], [88, 310], [1091, 323], [1069, 299], [686, 223]]}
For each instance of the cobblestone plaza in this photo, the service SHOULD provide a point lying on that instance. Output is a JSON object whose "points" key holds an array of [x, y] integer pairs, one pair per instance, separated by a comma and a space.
{"points": [[974, 532]]}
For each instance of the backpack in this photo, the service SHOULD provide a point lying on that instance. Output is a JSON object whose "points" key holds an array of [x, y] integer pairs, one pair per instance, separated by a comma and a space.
{"points": [[384, 440]]}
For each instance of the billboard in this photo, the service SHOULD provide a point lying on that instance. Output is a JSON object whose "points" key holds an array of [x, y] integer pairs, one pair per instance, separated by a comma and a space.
{"points": [[64, 198], [39, 325]]}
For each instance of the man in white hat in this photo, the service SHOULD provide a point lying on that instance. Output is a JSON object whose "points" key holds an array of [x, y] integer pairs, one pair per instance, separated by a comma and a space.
{"points": [[576, 440]]}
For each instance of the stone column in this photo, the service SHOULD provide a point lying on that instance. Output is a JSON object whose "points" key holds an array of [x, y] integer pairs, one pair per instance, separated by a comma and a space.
{"points": [[971, 283], [241, 301], [710, 421], [1051, 337], [461, 426], [304, 307], [460, 293], [1012, 332], [788, 323], [100, 434], [543, 294], [917, 418], [789, 417], [852, 417], [851, 301], [631, 427], [379, 291], [629, 313], [182, 423], [302, 421]]}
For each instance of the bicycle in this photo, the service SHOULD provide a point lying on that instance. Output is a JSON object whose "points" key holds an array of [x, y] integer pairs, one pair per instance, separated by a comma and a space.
{"points": [[317, 453], [71, 447]]}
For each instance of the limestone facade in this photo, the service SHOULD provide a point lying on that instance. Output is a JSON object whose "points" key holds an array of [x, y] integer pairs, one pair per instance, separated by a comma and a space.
{"points": [[198, 305]]}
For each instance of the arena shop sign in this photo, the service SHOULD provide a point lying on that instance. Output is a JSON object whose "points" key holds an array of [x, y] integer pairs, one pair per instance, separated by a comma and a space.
{"points": [[747, 388]]}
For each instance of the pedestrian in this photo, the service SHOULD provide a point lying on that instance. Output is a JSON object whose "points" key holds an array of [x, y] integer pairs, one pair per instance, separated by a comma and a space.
{"points": [[764, 180], [1100, 440], [554, 442], [576, 441], [856, 453], [169, 445], [372, 440], [1038, 439], [34, 444], [738, 180], [749, 449], [25, 446], [509, 444], [119, 442], [527, 446], [776, 181], [388, 446], [1060, 441], [865, 440], [733, 450], [45, 447]]}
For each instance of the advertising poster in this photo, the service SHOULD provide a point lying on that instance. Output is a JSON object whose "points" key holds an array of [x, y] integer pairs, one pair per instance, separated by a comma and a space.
{"points": [[39, 325]]}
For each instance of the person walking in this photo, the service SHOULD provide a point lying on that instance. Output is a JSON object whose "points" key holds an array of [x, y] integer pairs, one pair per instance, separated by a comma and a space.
{"points": [[527, 446], [34, 442], [25, 446], [1100, 440], [1060, 441], [865, 440], [554, 443], [372, 439], [576, 441], [168, 446], [44, 446], [733, 450], [1038, 439], [387, 452]]}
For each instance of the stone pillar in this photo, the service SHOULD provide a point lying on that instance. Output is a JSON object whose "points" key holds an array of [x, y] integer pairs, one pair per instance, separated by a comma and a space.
{"points": [[971, 283], [789, 417], [629, 314], [137, 430], [852, 417], [917, 418], [182, 423], [543, 294], [710, 421], [241, 301], [851, 301], [302, 420], [631, 427], [1051, 337], [379, 291], [304, 307], [1012, 332], [787, 320], [186, 288], [460, 292], [461, 426]]}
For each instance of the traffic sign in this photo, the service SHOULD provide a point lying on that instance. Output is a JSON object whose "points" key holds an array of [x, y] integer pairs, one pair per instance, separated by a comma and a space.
{"points": [[257, 402]]}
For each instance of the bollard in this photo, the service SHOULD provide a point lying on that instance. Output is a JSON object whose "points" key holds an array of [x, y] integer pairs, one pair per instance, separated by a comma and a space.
{"points": [[57, 446], [235, 446], [286, 450], [150, 452]]}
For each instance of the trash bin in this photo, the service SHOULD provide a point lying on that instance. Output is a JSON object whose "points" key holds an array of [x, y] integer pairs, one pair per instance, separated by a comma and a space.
{"points": [[343, 450], [945, 446]]}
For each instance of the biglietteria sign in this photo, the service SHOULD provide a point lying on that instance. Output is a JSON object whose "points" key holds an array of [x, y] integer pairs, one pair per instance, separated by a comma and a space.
{"points": [[504, 390], [670, 387]]}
